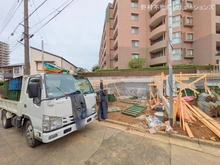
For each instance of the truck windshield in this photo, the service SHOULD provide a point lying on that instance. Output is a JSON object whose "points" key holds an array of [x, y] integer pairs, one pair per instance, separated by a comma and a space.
{"points": [[61, 84]]}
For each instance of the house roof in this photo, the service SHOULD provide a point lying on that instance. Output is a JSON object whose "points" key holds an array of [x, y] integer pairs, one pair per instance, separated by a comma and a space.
{"points": [[54, 55], [13, 65]]}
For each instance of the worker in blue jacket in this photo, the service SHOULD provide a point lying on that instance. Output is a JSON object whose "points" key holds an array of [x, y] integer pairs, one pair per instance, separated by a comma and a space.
{"points": [[103, 105]]}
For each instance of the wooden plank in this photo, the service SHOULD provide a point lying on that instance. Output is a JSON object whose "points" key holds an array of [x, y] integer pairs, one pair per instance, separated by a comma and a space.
{"points": [[182, 116], [188, 130], [190, 114], [116, 90], [188, 85], [211, 120], [185, 86], [203, 120]]}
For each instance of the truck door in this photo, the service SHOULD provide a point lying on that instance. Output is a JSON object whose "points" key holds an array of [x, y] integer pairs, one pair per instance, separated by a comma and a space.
{"points": [[32, 106]]}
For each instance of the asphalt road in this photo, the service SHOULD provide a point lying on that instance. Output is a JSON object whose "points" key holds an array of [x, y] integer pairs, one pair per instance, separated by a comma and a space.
{"points": [[97, 144]]}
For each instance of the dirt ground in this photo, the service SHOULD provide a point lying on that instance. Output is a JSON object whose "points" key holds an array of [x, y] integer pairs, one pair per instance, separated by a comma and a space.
{"points": [[198, 129]]}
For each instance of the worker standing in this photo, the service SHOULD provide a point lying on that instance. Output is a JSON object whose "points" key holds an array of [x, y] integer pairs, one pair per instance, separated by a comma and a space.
{"points": [[103, 105]]}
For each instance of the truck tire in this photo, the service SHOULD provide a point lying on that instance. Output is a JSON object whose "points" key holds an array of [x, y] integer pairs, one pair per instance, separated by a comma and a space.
{"points": [[29, 134], [6, 122]]}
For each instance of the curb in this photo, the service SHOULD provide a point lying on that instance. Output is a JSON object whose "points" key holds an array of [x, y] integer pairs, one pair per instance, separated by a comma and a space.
{"points": [[178, 136], [209, 143]]}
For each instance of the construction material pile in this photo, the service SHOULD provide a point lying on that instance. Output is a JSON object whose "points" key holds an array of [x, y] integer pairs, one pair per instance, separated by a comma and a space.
{"points": [[192, 113], [208, 103]]}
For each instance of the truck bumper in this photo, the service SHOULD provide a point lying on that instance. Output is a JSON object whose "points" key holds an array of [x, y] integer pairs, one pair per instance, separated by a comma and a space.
{"points": [[54, 135]]}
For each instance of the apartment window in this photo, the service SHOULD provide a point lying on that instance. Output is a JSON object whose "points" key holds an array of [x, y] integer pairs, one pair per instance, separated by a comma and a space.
{"points": [[134, 30], [134, 55], [134, 4], [16, 70], [189, 52], [177, 54], [177, 38], [189, 36], [134, 17], [189, 4], [176, 5], [176, 21], [189, 20], [135, 43]]}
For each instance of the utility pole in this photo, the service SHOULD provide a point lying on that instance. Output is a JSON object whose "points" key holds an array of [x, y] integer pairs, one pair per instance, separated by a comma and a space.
{"points": [[42, 45], [170, 79], [26, 40]]}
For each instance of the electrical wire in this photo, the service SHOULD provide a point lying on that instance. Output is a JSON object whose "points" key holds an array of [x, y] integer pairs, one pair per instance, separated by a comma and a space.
{"points": [[42, 28], [9, 12], [52, 18], [11, 16], [28, 17], [56, 10], [15, 47]]}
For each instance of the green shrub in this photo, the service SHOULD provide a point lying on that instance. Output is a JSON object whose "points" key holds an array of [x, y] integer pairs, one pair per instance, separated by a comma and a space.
{"points": [[183, 66], [1, 82], [95, 67], [137, 63]]}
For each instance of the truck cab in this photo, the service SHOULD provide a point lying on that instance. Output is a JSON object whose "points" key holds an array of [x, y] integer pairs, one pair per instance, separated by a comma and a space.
{"points": [[50, 106]]}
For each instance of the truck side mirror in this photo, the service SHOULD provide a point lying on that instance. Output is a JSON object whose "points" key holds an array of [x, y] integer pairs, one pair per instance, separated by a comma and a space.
{"points": [[33, 90]]}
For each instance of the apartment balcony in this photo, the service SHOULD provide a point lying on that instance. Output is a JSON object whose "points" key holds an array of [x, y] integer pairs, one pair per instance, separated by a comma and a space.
{"points": [[116, 63], [158, 61], [156, 33], [158, 46], [157, 18], [115, 54], [157, 2]]}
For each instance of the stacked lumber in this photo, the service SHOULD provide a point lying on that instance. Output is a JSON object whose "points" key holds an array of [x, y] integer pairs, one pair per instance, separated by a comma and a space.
{"points": [[212, 124], [207, 103]]}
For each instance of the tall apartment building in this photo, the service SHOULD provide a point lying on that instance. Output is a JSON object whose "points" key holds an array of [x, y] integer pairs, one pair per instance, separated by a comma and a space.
{"points": [[4, 54], [139, 28]]}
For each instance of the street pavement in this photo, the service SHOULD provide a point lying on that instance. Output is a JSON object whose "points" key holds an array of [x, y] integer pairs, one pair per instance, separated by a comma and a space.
{"points": [[105, 144]]}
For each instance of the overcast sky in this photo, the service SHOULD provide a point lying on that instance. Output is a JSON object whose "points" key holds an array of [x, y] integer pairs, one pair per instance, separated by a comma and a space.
{"points": [[74, 34]]}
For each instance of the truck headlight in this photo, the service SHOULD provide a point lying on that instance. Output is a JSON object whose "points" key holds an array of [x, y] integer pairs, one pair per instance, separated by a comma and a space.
{"points": [[51, 123]]}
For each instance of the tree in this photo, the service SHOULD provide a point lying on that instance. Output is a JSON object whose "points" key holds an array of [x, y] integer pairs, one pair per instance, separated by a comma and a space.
{"points": [[137, 63], [95, 67]]}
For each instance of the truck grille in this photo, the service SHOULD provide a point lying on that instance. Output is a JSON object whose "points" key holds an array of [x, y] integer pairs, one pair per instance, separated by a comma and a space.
{"points": [[67, 120]]}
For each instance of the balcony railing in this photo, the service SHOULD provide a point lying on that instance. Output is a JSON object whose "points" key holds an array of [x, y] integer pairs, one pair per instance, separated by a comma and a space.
{"points": [[152, 28], [157, 40]]}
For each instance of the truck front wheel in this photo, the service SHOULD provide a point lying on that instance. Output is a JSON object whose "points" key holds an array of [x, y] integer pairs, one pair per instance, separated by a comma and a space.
{"points": [[6, 122], [29, 133]]}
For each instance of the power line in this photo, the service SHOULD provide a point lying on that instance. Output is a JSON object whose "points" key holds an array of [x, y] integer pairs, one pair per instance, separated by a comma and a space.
{"points": [[42, 28], [28, 17], [15, 47], [9, 12], [53, 17], [11, 16], [56, 10]]}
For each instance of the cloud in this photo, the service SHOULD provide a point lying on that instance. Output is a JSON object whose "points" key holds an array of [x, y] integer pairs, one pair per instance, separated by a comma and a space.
{"points": [[75, 34]]}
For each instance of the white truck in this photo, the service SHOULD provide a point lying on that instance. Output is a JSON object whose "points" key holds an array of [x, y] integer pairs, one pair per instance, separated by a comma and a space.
{"points": [[46, 110]]}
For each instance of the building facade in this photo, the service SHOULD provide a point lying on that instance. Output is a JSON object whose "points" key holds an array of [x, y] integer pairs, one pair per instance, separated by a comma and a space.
{"points": [[36, 61], [16, 70], [139, 29], [4, 54]]}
